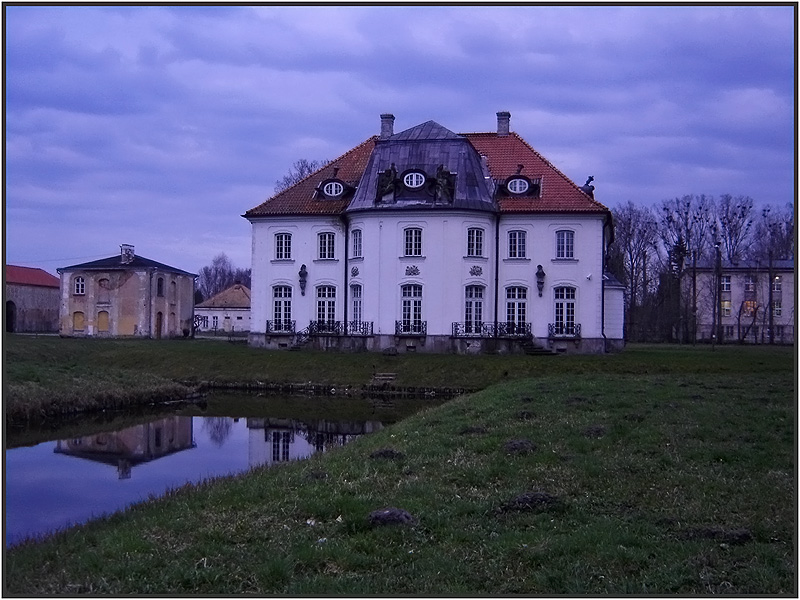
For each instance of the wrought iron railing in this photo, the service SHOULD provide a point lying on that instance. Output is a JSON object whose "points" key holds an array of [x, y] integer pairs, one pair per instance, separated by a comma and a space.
{"points": [[279, 326], [511, 329], [325, 328], [411, 328], [563, 330], [359, 328], [489, 330]]}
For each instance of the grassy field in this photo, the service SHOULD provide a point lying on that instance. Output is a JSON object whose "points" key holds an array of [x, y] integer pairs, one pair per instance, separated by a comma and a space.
{"points": [[662, 470]]}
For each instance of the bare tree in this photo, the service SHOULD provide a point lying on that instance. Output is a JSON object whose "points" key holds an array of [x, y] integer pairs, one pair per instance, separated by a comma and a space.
{"points": [[733, 220], [773, 232], [631, 256], [301, 169], [220, 275], [686, 221]]}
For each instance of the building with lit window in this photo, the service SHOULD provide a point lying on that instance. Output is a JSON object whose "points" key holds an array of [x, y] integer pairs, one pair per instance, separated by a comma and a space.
{"points": [[755, 301], [432, 241]]}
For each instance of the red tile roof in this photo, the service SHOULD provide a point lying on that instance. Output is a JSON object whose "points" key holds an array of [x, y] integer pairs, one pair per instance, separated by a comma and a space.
{"points": [[300, 199], [558, 193], [30, 276]]}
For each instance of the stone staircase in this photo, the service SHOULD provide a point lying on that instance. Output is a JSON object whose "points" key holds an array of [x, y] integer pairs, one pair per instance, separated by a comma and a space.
{"points": [[531, 348]]}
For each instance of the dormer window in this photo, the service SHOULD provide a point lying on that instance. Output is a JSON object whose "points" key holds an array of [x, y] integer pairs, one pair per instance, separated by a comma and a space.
{"points": [[333, 188], [518, 185], [414, 180]]}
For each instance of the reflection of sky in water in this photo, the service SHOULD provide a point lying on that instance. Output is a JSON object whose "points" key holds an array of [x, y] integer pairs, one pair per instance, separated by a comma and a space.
{"points": [[47, 491]]}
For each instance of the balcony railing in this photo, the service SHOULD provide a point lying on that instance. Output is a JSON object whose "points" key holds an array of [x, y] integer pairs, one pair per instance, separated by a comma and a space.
{"points": [[411, 328], [503, 329], [563, 330], [325, 328], [279, 326], [359, 328]]}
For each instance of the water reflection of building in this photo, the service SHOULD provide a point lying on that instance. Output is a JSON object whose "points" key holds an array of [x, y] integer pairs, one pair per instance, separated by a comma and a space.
{"points": [[134, 445], [273, 440]]}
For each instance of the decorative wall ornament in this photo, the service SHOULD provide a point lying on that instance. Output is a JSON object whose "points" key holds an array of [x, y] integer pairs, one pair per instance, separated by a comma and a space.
{"points": [[412, 270], [540, 274], [303, 273], [475, 271], [354, 272]]}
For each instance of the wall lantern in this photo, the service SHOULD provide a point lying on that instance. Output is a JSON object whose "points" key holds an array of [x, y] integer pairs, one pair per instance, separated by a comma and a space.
{"points": [[540, 279], [303, 276]]}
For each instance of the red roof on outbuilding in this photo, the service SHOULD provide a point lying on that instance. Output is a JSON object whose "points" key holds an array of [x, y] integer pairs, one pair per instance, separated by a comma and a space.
{"points": [[30, 276]]}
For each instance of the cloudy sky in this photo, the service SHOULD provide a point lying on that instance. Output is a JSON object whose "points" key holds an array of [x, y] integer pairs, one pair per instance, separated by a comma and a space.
{"points": [[159, 126]]}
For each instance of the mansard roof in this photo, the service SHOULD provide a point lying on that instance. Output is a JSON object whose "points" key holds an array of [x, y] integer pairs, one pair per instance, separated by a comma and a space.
{"points": [[476, 165], [433, 151]]}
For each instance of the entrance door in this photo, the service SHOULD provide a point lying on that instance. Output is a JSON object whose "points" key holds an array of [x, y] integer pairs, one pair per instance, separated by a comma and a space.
{"points": [[11, 317]]}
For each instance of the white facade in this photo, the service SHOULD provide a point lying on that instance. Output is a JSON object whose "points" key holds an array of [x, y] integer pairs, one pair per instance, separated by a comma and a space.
{"points": [[456, 276]]}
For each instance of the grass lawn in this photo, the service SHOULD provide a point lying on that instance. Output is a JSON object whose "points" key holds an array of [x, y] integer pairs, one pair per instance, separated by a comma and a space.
{"points": [[662, 470]]}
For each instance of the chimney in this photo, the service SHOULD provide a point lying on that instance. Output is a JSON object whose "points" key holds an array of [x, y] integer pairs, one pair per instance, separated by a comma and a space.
{"points": [[387, 126], [503, 120], [126, 252]]}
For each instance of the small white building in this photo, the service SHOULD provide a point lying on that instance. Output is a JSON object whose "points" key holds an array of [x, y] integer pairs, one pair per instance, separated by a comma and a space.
{"points": [[228, 311], [428, 240]]}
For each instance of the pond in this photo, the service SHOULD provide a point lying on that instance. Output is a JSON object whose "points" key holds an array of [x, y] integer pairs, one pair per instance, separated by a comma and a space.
{"points": [[88, 469]]}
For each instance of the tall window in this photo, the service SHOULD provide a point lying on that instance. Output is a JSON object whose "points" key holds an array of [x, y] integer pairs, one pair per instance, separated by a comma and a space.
{"points": [[776, 308], [516, 244], [777, 284], [565, 244], [412, 308], [474, 241], [280, 445], [473, 309], [725, 283], [326, 304], [326, 245], [565, 310], [355, 294], [516, 308], [80, 286], [282, 308], [356, 241], [413, 241], [283, 246], [750, 283], [726, 308], [160, 287]]}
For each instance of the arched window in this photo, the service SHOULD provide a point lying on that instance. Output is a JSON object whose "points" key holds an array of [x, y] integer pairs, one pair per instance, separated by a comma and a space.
{"points": [[78, 321], [473, 309], [326, 307], [413, 241], [516, 309], [565, 310], [102, 321], [282, 308], [327, 242], [565, 244], [412, 308], [160, 287], [516, 244], [283, 246], [356, 292], [474, 241], [355, 236]]}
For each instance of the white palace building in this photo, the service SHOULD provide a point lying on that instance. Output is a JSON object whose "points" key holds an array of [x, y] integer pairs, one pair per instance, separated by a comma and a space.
{"points": [[432, 241]]}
